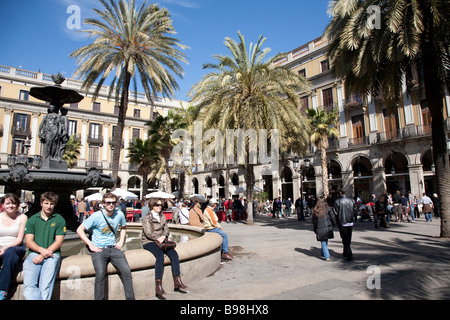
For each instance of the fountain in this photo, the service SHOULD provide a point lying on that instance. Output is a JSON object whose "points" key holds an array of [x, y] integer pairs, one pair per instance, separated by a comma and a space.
{"points": [[199, 257], [51, 173]]}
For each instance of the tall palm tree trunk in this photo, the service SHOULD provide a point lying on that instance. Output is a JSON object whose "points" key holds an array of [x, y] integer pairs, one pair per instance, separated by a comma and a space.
{"points": [[434, 96], [250, 183], [117, 139], [323, 157]]}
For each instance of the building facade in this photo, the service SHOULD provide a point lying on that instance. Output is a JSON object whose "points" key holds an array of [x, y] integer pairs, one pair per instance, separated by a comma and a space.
{"points": [[91, 121], [376, 152]]}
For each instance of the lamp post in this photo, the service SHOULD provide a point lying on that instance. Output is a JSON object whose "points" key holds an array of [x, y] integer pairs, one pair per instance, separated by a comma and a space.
{"points": [[179, 169], [299, 169], [23, 158]]}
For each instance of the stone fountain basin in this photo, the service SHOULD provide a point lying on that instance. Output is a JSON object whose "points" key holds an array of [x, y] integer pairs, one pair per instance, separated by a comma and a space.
{"points": [[54, 180], [199, 258]]}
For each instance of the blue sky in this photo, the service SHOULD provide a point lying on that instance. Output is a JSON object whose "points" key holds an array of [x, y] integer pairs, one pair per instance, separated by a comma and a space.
{"points": [[35, 35]]}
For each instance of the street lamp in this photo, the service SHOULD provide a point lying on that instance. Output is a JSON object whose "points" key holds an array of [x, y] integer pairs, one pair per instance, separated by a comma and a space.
{"points": [[299, 169], [23, 158]]}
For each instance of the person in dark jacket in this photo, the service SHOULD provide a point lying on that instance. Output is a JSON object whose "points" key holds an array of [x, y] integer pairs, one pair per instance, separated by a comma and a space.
{"points": [[344, 208], [323, 220], [380, 212]]}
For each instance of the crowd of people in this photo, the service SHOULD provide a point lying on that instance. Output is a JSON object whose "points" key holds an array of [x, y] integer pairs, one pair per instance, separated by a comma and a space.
{"points": [[35, 241], [343, 211]]}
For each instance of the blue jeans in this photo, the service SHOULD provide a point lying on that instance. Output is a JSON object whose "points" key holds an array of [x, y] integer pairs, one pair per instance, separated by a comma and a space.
{"points": [[411, 212], [159, 255], [38, 279], [325, 252], [117, 258], [9, 262], [224, 237]]}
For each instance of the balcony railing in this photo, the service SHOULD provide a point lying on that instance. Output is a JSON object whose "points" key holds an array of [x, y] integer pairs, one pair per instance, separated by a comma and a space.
{"points": [[95, 140], [358, 141], [407, 132]]}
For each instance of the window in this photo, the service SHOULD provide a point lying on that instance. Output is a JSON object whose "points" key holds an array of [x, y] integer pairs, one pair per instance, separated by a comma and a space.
{"points": [[94, 132], [0, 91], [23, 95], [74, 105], [358, 129], [302, 73], [137, 113], [96, 106], [324, 65], [116, 110], [327, 99], [17, 147], [72, 127], [136, 133], [304, 104], [390, 125], [93, 156], [21, 121]]}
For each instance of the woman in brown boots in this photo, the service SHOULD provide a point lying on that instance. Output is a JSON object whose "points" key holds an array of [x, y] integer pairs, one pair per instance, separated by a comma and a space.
{"points": [[155, 240]]}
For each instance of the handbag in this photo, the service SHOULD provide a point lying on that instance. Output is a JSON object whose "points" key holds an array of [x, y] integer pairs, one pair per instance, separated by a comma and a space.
{"points": [[166, 244]]}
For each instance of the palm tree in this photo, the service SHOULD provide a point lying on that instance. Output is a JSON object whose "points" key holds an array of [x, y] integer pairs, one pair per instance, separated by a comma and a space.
{"points": [[244, 91], [144, 154], [130, 45], [72, 152], [414, 37], [160, 132], [322, 124]]}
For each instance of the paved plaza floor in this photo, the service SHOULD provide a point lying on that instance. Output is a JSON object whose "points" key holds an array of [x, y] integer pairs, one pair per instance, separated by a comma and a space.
{"points": [[280, 260]]}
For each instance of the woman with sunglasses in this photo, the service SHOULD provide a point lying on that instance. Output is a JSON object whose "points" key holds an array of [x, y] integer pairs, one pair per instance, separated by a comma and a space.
{"points": [[155, 229]]}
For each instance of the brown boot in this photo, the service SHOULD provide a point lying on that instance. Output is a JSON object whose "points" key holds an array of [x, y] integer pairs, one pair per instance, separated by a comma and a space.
{"points": [[159, 289], [178, 284]]}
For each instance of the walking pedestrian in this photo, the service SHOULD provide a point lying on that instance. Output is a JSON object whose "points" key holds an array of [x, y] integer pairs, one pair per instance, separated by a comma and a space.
{"points": [[344, 208], [380, 212], [427, 207], [81, 208], [411, 200], [436, 205], [323, 220]]}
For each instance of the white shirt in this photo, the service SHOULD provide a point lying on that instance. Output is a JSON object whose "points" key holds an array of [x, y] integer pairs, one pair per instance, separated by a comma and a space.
{"points": [[184, 216]]}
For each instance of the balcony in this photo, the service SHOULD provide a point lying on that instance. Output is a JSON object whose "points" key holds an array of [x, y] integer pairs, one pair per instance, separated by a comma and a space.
{"points": [[21, 132], [355, 102], [358, 141], [95, 140], [404, 133]]}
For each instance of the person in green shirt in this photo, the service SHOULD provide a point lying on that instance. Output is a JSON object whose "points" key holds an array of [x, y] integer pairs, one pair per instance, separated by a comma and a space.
{"points": [[44, 235]]}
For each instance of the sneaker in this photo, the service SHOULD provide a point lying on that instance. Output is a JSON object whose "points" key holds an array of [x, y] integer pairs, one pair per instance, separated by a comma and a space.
{"points": [[3, 294]]}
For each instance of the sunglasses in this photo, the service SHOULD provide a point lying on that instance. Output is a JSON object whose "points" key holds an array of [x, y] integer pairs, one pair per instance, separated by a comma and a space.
{"points": [[108, 203], [158, 205]]}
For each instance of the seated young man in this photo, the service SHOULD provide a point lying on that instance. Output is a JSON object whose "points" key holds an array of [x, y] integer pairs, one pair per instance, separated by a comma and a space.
{"points": [[104, 224]]}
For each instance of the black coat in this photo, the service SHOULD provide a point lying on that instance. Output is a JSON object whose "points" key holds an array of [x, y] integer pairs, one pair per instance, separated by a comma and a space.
{"points": [[323, 226]]}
